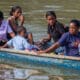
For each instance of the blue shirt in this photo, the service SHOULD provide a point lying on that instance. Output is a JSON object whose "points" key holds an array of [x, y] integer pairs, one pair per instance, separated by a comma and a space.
{"points": [[19, 43], [68, 40]]}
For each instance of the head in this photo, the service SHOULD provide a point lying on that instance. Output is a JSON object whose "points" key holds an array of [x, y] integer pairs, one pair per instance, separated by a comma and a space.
{"points": [[16, 11], [21, 31], [74, 26], [1, 16], [51, 17]]}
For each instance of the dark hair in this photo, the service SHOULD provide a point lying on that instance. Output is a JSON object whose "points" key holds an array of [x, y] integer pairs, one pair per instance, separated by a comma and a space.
{"points": [[76, 22], [50, 13], [20, 28], [1, 15], [14, 8]]}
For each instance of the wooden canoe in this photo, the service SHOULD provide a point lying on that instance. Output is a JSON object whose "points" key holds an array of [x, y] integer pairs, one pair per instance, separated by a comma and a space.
{"points": [[15, 57]]}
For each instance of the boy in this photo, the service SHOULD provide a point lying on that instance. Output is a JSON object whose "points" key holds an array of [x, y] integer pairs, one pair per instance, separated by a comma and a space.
{"points": [[19, 42]]}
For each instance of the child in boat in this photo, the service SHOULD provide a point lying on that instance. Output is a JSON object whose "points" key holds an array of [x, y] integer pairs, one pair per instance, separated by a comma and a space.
{"points": [[4, 29], [70, 40], [15, 17], [55, 30], [19, 42]]}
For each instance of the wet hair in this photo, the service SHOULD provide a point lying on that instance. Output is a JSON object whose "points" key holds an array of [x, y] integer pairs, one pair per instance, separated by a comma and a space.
{"points": [[76, 22], [13, 9], [1, 15], [50, 13], [20, 28]]}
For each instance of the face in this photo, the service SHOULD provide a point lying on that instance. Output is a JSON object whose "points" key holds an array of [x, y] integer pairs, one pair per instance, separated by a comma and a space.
{"points": [[23, 33], [73, 29], [51, 20], [17, 13]]}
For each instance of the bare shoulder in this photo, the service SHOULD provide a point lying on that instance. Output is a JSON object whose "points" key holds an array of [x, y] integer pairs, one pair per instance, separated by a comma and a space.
{"points": [[11, 18]]}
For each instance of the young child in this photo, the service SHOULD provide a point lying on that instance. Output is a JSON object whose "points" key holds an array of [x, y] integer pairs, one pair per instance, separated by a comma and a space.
{"points": [[15, 16], [17, 19], [55, 30], [19, 42]]}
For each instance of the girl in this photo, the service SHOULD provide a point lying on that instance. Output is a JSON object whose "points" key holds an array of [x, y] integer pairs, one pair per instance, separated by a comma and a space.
{"points": [[15, 17], [55, 30]]}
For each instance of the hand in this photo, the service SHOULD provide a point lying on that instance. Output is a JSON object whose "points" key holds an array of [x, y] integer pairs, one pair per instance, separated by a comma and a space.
{"points": [[40, 52], [22, 19], [43, 40]]}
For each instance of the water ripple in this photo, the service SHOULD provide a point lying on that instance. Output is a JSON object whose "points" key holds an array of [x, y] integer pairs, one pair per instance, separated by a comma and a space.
{"points": [[53, 6]]}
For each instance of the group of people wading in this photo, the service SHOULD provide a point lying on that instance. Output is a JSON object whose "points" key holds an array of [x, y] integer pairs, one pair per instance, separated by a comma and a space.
{"points": [[66, 40]]}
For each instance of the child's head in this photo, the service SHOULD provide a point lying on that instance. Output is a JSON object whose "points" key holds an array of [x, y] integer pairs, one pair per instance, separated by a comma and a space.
{"points": [[51, 17], [16, 11], [21, 31], [74, 26]]}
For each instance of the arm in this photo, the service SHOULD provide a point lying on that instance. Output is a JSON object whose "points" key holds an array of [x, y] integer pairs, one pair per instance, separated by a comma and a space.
{"points": [[61, 42], [4, 46], [8, 44], [9, 30], [46, 39], [22, 19], [30, 38], [12, 23], [53, 47]]}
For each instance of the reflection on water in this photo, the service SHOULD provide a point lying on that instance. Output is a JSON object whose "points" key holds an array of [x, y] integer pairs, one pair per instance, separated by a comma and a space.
{"points": [[34, 12], [8, 72], [26, 74]]}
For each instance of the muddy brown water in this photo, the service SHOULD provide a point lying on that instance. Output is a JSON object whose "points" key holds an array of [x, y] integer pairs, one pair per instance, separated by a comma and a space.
{"points": [[35, 22]]}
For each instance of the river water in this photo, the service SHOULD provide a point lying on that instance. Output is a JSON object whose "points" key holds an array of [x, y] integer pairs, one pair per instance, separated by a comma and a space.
{"points": [[35, 22]]}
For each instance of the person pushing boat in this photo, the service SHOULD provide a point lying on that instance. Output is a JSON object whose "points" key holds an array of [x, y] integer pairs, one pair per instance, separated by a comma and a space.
{"points": [[70, 40], [55, 30]]}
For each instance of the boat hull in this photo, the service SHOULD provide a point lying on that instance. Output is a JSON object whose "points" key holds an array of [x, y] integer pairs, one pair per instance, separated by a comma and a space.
{"points": [[41, 61]]}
